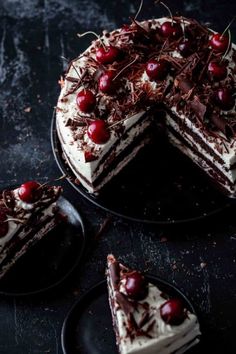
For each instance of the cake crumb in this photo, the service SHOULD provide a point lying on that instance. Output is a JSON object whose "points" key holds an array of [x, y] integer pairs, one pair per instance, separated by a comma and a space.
{"points": [[27, 109], [174, 265], [203, 265], [164, 239]]}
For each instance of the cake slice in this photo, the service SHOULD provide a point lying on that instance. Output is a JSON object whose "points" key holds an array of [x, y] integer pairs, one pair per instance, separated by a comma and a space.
{"points": [[27, 214], [145, 320]]}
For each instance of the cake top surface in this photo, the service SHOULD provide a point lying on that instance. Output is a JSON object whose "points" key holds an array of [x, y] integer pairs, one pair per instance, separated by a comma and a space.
{"points": [[133, 68]]}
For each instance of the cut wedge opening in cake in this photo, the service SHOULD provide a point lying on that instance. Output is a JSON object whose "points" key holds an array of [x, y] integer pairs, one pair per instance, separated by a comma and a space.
{"points": [[145, 320], [104, 112], [27, 214]]}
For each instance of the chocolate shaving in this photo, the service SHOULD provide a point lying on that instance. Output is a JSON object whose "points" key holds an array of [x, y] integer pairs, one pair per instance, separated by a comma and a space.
{"points": [[150, 327], [75, 87], [103, 227], [199, 108], [132, 323], [72, 79], [191, 64], [124, 303], [144, 319], [115, 273], [183, 83], [205, 66], [223, 125]]}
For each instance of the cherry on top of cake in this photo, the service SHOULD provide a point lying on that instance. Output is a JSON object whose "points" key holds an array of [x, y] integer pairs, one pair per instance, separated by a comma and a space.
{"points": [[173, 60]]}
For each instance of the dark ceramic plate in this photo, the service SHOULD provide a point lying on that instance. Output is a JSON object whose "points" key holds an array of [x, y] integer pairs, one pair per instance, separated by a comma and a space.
{"points": [[88, 329], [51, 260], [154, 188]]}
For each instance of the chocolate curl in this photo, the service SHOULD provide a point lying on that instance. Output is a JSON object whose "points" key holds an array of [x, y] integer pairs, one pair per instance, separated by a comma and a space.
{"points": [[191, 64], [124, 303], [223, 125], [199, 108], [145, 319], [114, 268], [185, 85]]}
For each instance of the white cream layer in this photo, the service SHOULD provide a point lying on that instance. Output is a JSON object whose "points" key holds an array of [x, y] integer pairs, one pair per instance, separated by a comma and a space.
{"points": [[227, 156]]}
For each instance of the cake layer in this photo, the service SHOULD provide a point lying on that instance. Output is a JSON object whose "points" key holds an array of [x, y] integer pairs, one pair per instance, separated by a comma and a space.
{"points": [[196, 145], [219, 179]]}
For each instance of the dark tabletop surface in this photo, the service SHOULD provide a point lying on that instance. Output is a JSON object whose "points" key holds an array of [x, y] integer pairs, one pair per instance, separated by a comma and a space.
{"points": [[199, 258]]}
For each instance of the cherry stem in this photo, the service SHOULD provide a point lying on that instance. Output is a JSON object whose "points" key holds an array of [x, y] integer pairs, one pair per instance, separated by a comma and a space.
{"points": [[14, 219], [53, 180], [162, 48], [125, 67], [228, 46], [182, 19], [167, 8], [139, 9], [93, 33], [226, 29], [120, 121]]}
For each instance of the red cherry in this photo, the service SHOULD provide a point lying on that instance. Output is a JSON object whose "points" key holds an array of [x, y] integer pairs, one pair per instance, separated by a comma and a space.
{"points": [[136, 286], [217, 70], [86, 101], [29, 192], [157, 69], [173, 312], [105, 82], [186, 47], [224, 99], [219, 43], [107, 55], [89, 157], [3, 224], [171, 30], [98, 132]]}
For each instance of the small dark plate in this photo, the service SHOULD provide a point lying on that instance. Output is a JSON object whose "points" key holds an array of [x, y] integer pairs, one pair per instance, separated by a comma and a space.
{"points": [[156, 187], [88, 329], [50, 261]]}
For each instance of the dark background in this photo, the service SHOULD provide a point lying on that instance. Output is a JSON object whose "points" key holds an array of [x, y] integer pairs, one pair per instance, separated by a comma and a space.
{"points": [[198, 258]]}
